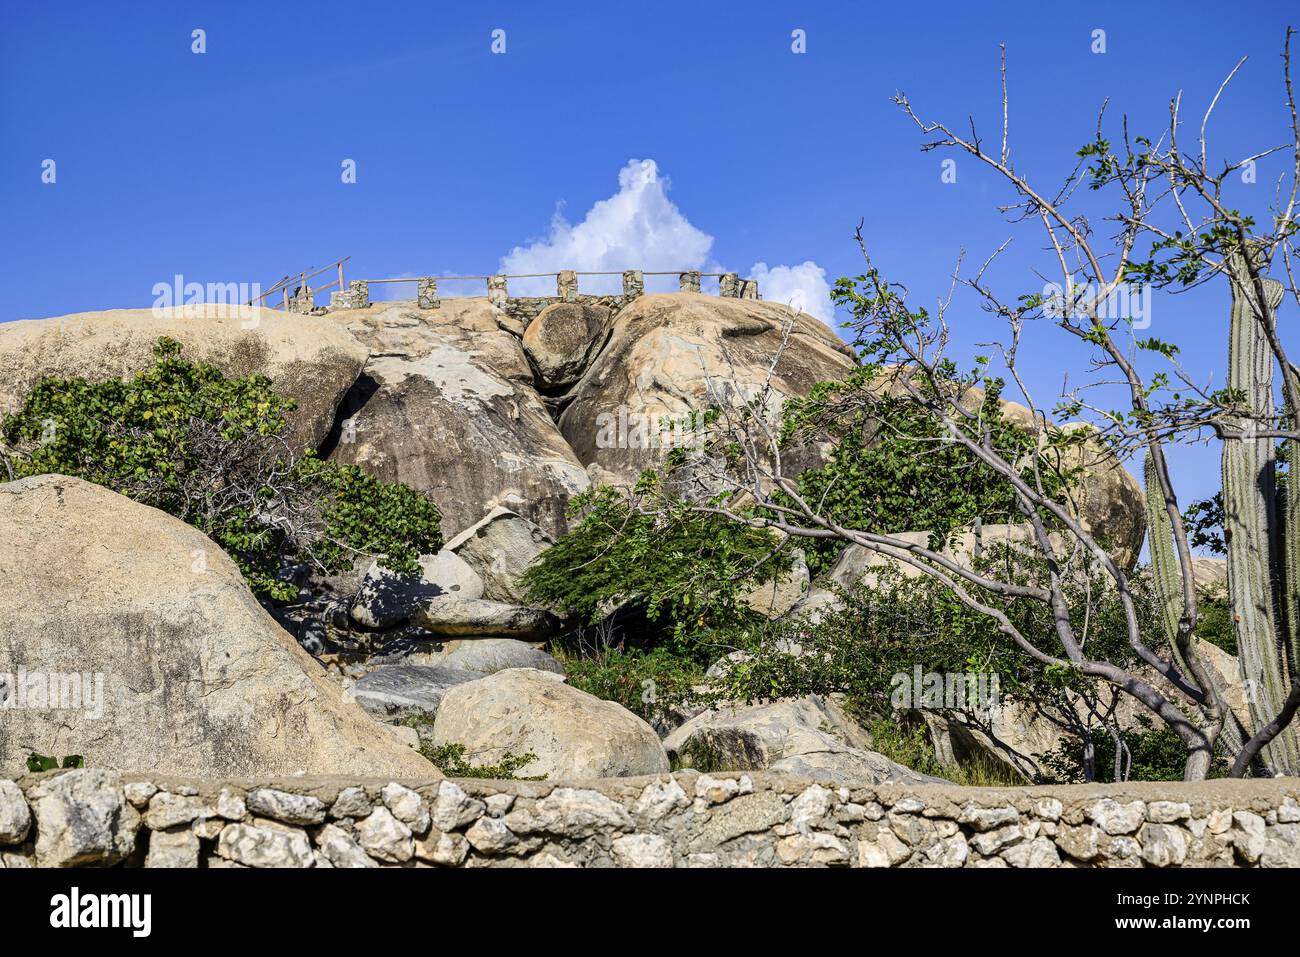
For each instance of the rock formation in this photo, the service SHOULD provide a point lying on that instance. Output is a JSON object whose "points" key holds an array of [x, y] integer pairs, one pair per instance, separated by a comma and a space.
{"points": [[111, 602]]}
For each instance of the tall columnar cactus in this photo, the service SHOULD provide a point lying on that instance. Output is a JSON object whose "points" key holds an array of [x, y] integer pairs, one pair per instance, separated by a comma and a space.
{"points": [[1167, 577], [1253, 526], [1164, 562]]}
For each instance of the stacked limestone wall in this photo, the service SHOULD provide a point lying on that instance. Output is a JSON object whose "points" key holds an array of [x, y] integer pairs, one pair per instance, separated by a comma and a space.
{"points": [[94, 817]]}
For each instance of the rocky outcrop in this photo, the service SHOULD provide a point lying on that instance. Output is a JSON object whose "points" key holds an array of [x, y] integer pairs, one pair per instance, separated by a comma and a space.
{"points": [[684, 819], [669, 355], [574, 735], [561, 340], [135, 643], [385, 599], [460, 617], [446, 404], [809, 736], [487, 656], [499, 547], [307, 359], [399, 692]]}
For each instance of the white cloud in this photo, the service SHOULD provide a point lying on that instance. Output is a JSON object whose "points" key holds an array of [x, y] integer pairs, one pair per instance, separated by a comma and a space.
{"points": [[803, 286], [639, 227]]}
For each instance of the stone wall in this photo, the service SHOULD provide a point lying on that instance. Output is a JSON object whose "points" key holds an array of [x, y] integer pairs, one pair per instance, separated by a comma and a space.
{"points": [[685, 819]]}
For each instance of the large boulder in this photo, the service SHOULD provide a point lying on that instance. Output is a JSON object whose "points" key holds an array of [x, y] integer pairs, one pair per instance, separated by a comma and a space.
{"points": [[397, 692], [386, 598], [162, 659], [809, 736], [307, 359], [446, 404], [575, 736], [479, 616], [499, 547], [487, 656], [670, 355], [561, 340]]}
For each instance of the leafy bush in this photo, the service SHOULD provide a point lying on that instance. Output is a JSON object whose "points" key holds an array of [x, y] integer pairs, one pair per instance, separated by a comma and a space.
{"points": [[645, 684], [214, 452], [37, 763], [687, 571], [900, 624], [450, 760], [1153, 754], [891, 469]]}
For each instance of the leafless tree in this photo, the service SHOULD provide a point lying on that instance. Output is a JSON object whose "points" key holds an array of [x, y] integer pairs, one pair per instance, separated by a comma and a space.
{"points": [[1165, 198]]}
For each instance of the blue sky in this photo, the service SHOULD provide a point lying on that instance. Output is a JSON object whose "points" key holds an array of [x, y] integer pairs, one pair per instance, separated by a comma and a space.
{"points": [[225, 166]]}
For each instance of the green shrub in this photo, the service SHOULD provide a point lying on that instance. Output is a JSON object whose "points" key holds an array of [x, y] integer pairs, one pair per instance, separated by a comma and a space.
{"points": [[687, 571], [450, 760], [1155, 754], [891, 470], [644, 683], [215, 452]]}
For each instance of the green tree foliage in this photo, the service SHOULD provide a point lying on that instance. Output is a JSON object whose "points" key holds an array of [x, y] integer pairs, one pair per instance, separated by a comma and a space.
{"points": [[646, 683], [686, 570], [891, 469], [897, 624], [214, 452]]}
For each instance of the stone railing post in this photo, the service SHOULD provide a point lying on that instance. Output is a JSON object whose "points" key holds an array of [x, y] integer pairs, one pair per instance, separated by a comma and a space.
{"points": [[749, 289], [566, 284], [427, 294], [302, 302], [633, 283], [497, 291], [729, 285], [690, 281], [356, 296]]}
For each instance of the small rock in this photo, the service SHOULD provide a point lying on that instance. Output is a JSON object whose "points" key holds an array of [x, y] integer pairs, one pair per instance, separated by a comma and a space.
{"points": [[658, 800], [231, 806], [1040, 852], [340, 849], [449, 850], [1168, 812], [174, 849], [812, 848], [385, 838], [286, 807], [407, 806], [15, 817], [490, 835], [1115, 818], [499, 804], [82, 817], [885, 851], [642, 850], [988, 818], [453, 808], [351, 802], [139, 792], [716, 790], [989, 843], [255, 846], [1163, 845], [167, 810]]}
